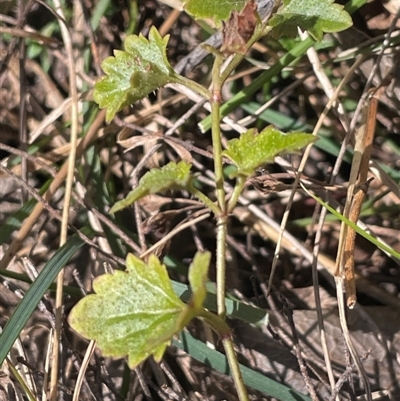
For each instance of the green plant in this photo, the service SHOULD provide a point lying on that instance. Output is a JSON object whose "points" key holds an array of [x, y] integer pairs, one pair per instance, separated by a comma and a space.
{"points": [[142, 312]]}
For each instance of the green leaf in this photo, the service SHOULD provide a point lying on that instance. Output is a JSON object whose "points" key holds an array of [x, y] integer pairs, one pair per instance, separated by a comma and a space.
{"points": [[133, 313], [217, 10], [133, 73], [172, 175], [198, 275], [253, 150], [314, 16]]}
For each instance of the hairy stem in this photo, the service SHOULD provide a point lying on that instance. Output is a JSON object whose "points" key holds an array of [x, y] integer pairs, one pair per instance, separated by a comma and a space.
{"points": [[235, 370], [219, 182], [223, 330], [222, 220]]}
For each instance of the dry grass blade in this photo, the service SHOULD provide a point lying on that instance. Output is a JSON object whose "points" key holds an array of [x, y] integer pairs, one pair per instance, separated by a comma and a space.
{"points": [[58, 180], [82, 371], [73, 90]]}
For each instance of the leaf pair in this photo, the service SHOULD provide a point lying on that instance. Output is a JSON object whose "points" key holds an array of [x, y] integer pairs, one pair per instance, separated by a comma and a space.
{"points": [[143, 67], [314, 16], [248, 152]]}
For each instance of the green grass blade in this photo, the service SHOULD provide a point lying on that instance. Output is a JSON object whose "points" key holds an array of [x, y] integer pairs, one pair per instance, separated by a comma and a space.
{"points": [[35, 293], [355, 227], [98, 12], [214, 359], [21, 382]]}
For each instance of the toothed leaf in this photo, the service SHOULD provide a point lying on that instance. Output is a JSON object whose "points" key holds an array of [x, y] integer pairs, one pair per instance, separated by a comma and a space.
{"points": [[253, 150], [198, 275], [171, 176], [134, 313], [314, 16], [133, 73]]}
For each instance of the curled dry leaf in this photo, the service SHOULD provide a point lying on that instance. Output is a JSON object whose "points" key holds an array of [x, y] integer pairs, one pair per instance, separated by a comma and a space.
{"points": [[136, 140], [132, 142], [238, 30], [182, 152]]}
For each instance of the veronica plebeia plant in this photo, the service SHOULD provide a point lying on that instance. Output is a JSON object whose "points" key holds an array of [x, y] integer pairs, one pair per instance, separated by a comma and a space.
{"points": [[136, 312]]}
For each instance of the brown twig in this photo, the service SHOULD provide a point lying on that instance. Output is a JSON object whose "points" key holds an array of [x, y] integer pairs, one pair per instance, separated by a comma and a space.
{"points": [[363, 148]]}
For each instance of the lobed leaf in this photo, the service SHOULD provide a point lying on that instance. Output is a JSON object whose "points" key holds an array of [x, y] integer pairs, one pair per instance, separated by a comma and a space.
{"points": [[172, 175], [133, 73], [137, 312], [133, 313], [252, 150], [314, 16]]}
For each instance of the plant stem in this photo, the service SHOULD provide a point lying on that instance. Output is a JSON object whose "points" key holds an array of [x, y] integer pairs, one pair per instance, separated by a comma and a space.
{"points": [[264, 77], [220, 265], [237, 59], [235, 370], [223, 331], [219, 325], [222, 220], [219, 182], [215, 102]]}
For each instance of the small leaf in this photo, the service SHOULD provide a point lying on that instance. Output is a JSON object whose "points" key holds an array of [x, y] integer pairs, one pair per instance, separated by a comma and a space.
{"points": [[133, 313], [253, 150], [133, 73], [314, 16], [171, 176], [217, 10], [198, 275]]}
